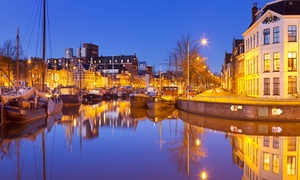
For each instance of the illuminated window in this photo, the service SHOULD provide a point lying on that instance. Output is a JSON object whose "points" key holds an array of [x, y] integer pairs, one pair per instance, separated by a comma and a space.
{"points": [[292, 33], [276, 34], [266, 86], [266, 36], [291, 165], [276, 86], [292, 84], [276, 62], [266, 62], [275, 163], [291, 143], [266, 159], [292, 61], [276, 142]]}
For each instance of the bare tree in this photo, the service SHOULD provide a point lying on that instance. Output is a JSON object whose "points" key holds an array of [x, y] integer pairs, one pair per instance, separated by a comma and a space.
{"points": [[179, 58], [8, 49]]}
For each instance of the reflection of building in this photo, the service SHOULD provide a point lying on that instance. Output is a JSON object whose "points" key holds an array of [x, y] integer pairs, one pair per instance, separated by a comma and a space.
{"points": [[260, 151], [268, 157]]}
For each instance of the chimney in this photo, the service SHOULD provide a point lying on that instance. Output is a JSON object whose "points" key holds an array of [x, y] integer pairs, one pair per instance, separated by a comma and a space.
{"points": [[254, 11]]}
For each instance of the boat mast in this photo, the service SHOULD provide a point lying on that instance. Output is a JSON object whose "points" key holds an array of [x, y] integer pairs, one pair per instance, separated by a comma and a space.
{"points": [[17, 59], [44, 45]]}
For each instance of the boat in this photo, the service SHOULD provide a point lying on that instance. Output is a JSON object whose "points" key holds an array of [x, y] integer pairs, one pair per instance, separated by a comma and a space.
{"points": [[159, 103], [138, 99], [93, 96], [32, 104], [29, 106], [70, 95]]}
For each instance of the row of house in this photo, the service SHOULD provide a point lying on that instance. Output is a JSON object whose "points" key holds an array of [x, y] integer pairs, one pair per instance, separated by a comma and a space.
{"points": [[265, 63], [87, 69]]}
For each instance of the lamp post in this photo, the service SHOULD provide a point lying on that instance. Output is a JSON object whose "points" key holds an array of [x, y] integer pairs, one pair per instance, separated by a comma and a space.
{"points": [[203, 42]]}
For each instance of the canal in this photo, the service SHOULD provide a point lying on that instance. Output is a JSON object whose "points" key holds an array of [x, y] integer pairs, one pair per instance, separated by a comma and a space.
{"points": [[111, 141]]}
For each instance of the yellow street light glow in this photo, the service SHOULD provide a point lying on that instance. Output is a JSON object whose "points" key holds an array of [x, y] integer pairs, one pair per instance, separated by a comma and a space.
{"points": [[203, 175], [198, 142], [204, 41]]}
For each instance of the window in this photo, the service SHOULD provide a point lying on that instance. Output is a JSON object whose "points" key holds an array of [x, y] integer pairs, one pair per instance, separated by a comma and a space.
{"points": [[291, 144], [291, 165], [266, 141], [266, 36], [266, 86], [266, 62], [276, 86], [276, 61], [292, 63], [292, 84], [275, 163], [292, 33], [266, 161], [257, 39], [276, 34], [254, 41], [276, 142]]}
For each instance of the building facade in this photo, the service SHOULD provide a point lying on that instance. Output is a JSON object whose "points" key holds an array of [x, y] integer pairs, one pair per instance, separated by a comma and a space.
{"points": [[271, 62]]}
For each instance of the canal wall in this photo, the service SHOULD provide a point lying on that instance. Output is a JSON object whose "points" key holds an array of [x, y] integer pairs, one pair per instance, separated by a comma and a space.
{"points": [[243, 111]]}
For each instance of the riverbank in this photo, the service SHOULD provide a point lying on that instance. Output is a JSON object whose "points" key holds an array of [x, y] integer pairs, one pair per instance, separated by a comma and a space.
{"points": [[218, 103]]}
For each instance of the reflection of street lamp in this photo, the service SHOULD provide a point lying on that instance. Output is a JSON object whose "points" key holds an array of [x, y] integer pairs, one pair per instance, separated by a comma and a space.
{"points": [[203, 42], [203, 175]]}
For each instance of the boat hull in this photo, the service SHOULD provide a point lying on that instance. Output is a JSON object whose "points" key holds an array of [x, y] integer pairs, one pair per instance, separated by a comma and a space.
{"points": [[29, 113], [138, 100], [160, 104], [71, 100]]}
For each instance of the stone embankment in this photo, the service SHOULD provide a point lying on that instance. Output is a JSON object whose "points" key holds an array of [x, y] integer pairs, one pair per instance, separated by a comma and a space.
{"points": [[222, 104]]}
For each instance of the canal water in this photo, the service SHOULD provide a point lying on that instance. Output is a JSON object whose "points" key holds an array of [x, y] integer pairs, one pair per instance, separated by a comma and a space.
{"points": [[111, 141]]}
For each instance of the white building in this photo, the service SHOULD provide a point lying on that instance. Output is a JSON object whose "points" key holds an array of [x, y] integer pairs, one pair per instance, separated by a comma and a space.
{"points": [[271, 59]]}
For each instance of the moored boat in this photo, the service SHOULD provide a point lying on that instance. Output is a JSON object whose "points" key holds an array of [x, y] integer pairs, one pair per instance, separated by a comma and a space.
{"points": [[30, 106], [160, 103], [70, 95], [93, 96], [138, 100]]}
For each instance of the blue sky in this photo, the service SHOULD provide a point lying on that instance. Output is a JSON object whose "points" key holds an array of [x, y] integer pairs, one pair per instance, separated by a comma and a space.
{"points": [[148, 28]]}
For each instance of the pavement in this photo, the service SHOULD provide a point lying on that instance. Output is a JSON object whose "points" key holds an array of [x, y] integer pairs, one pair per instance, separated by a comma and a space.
{"points": [[220, 95]]}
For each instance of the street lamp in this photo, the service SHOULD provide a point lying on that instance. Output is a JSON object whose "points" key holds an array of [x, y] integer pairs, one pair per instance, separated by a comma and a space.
{"points": [[203, 42]]}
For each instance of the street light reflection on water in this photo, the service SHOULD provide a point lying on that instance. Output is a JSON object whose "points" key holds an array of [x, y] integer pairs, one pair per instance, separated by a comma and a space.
{"points": [[110, 140]]}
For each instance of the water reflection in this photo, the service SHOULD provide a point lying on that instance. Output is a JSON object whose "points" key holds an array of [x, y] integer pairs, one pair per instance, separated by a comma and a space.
{"points": [[110, 137], [264, 150]]}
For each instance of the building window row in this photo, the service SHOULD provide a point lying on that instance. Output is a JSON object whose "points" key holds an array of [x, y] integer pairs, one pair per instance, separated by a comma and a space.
{"points": [[252, 42], [292, 34]]}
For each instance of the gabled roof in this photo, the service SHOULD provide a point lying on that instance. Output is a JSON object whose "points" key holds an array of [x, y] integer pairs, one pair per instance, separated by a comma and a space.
{"points": [[284, 7], [227, 58]]}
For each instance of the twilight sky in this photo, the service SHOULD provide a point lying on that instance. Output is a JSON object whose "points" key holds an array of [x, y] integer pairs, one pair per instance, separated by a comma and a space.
{"points": [[148, 28]]}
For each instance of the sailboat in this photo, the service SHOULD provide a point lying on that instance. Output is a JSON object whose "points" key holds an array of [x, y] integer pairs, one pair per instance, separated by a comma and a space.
{"points": [[33, 104]]}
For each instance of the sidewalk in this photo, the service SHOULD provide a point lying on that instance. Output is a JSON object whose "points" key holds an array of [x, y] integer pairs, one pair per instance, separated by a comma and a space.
{"points": [[219, 95]]}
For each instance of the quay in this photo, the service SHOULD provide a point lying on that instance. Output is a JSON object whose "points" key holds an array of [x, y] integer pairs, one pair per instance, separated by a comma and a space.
{"points": [[222, 104]]}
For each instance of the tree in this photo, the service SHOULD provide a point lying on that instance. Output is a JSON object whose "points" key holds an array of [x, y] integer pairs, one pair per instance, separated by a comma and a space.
{"points": [[179, 58], [8, 49]]}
